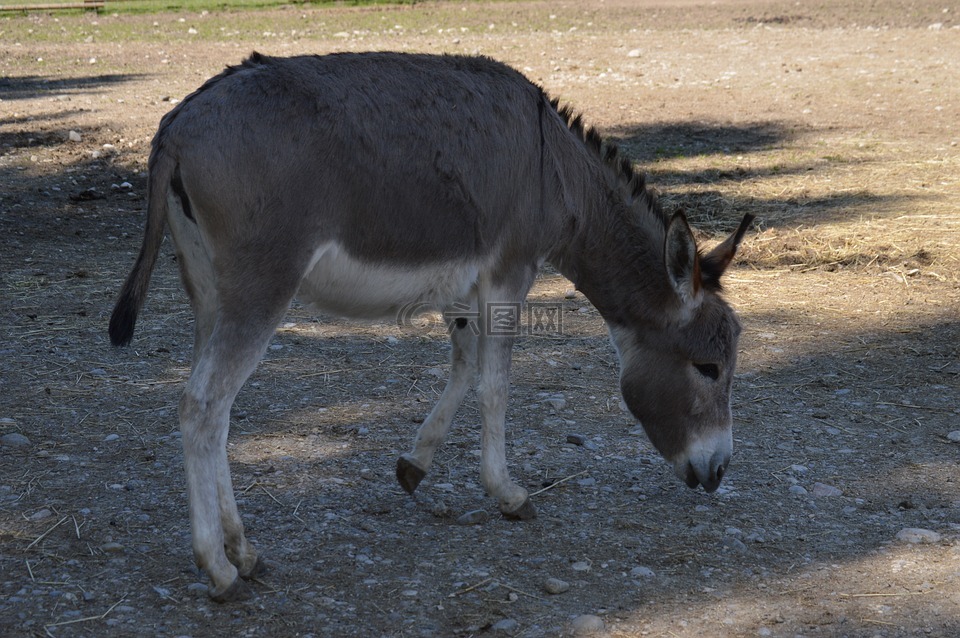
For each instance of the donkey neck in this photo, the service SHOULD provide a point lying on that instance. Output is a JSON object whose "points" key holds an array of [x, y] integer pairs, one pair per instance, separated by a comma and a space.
{"points": [[614, 256]]}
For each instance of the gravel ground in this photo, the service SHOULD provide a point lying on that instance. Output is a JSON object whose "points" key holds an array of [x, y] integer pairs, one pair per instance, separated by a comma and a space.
{"points": [[834, 123]]}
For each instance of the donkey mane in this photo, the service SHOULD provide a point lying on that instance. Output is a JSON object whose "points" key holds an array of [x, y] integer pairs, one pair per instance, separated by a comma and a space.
{"points": [[632, 183]]}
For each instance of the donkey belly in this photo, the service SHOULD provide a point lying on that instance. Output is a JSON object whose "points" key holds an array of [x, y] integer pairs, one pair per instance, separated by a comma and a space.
{"points": [[340, 284]]}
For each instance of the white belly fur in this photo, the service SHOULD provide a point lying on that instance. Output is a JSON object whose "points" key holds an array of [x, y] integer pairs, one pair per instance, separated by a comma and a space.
{"points": [[339, 284]]}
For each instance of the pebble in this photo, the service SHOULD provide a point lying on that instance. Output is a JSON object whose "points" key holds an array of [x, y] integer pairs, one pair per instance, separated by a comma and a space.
{"points": [[576, 439], [74, 136], [14, 439], [634, 53], [642, 572], [735, 544], [586, 625], [556, 402], [581, 566], [556, 586], [40, 515], [508, 625], [111, 437], [822, 489], [954, 436], [111, 548], [473, 517], [798, 489], [917, 535]]}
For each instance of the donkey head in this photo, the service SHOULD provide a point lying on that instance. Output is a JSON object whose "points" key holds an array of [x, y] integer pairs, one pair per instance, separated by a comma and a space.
{"points": [[676, 373]]}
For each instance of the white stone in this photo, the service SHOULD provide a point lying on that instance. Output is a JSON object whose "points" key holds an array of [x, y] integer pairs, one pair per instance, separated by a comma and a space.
{"points": [[822, 489], [556, 586], [917, 535], [586, 625]]}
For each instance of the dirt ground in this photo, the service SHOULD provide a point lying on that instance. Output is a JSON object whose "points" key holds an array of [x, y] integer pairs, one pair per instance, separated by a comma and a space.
{"points": [[835, 123]]}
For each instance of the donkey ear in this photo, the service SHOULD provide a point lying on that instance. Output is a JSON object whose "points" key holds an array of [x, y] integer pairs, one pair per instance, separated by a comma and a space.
{"points": [[681, 259], [716, 261]]}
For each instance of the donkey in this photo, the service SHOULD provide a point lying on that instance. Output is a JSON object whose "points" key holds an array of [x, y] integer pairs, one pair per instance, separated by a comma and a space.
{"points": [[372, 182]]}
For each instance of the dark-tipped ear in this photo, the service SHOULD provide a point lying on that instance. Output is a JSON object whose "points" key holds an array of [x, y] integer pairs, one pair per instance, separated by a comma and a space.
{"points": [[681, 260], [716, 261]]}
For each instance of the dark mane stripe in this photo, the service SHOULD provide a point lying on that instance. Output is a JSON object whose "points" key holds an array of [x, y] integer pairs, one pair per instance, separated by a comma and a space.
{"points": [[632, 182]]}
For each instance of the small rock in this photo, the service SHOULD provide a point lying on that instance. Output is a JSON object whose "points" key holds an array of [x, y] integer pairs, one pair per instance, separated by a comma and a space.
{"points": [[570, 293], [473, 517], [14, 439], [581, 566], [576, 439], [642, 572], [556, 586], [954, 436], [917, 535], [735, 544], [586, 625], [507, 625], [822, 489], [798, 489], [111, 437], [41, 515], [556, 402], [634, 53], [112, 548], [74, 136]]}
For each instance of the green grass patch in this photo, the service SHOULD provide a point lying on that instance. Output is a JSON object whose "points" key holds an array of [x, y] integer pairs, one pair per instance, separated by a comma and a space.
{"points": [[129, 7]]}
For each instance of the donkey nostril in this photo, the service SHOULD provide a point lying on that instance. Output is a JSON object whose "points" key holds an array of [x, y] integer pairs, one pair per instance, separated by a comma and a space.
{"points": [[720, 471]]}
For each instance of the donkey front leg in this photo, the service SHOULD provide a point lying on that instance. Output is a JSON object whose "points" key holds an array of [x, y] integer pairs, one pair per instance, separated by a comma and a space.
{"points": [[413, 466], [492, 391]]}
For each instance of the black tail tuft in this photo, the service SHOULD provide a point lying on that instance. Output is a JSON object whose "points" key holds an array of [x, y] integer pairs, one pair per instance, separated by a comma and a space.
{"points": [[122, 321]]}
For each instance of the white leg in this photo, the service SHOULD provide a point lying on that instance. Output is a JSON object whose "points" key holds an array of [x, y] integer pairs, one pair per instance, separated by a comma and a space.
{"points": [[219, 546], [492, 392], [494, 354], [413, 466]]}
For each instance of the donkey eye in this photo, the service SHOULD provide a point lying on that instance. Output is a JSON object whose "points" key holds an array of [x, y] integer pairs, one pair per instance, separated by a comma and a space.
{"points": [[710, 370]]}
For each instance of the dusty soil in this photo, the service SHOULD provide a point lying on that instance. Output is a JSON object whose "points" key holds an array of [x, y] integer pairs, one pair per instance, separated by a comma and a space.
{"points": [[835, 123]]}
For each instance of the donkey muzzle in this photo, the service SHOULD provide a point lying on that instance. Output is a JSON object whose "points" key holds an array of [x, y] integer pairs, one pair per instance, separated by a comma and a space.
{"points": [[706, 460]]}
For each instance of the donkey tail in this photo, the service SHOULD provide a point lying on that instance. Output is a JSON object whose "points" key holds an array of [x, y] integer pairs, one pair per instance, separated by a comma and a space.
{"points": [[134, 291]]}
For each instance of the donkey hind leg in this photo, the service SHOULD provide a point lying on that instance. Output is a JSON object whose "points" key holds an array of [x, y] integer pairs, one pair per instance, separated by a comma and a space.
{"points": [[197, 273], [413, 466], [229, 356]]}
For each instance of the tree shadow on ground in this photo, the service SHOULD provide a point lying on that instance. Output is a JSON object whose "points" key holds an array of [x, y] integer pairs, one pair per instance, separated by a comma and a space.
{"points": [[32, 86], [653, 145], [647, 143]]}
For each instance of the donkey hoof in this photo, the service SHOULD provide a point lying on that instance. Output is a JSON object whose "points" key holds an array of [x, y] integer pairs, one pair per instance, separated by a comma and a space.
{"points": [[408, 475], [259, 569], [526, 512], [236, 592]]}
